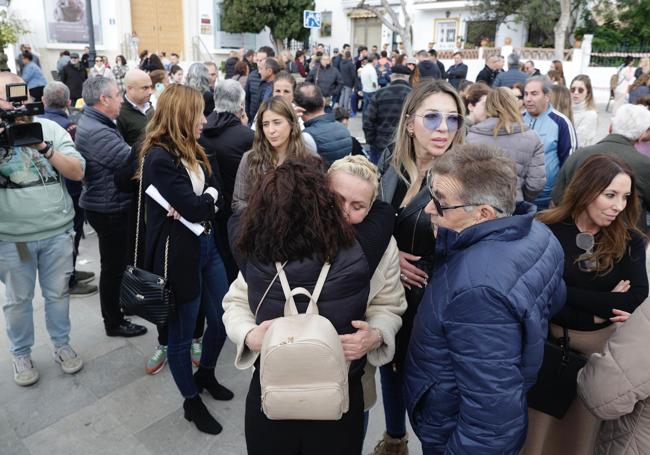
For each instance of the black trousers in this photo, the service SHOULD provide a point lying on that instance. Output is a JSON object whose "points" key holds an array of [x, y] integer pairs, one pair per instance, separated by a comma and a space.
{"points": [[303, 437], [78, 225], [111, 231]]}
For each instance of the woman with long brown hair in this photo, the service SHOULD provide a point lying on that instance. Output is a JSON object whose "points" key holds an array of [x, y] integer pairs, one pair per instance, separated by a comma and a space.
{"points": [[431, 122], [176, 165], [605, 275], [277, 139], [295, 219]]}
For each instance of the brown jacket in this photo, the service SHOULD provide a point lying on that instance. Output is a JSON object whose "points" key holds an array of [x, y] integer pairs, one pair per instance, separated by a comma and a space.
{"points": [[615, 386]]}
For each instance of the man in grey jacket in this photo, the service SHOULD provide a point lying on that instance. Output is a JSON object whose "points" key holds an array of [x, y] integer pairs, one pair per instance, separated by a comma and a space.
{"points": [[102, 145], [327, 78]]}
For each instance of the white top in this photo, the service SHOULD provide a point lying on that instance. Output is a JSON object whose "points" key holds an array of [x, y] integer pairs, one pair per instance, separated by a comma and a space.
{"points": [[585, 122], [368, 76], [198, 181]]}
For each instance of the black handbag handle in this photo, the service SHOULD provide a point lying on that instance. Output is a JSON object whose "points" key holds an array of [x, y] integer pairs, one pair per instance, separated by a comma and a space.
{"points": [[137, 223]]}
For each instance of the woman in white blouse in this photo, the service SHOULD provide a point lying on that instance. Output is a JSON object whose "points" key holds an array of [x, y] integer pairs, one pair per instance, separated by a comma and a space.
{"points": [[585, 116]]}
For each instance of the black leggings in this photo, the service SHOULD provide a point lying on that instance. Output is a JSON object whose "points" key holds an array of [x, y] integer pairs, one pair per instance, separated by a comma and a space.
{"points": [[304, 437]]}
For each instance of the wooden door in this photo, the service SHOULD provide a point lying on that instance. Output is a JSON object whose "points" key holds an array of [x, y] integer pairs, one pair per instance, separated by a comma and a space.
{"points": [[158, 24]]}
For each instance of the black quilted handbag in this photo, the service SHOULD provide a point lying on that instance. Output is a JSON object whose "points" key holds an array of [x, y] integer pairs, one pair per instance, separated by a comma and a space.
{"points": [[556, 385], [143, 293]]}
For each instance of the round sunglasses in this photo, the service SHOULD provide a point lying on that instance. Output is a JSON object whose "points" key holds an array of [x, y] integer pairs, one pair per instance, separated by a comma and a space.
{"points": [[433, 120], [580, 90]]}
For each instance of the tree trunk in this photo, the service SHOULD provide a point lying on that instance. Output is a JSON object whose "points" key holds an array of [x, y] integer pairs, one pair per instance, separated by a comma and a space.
{"points": [[392, 21], [277, 43], [560, 28]]}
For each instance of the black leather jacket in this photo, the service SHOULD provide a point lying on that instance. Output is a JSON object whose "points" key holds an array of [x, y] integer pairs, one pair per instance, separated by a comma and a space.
{"points": [[414, 235]]}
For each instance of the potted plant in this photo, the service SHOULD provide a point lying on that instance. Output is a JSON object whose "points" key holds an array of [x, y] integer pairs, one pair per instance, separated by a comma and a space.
{"points": [[11, 29]]}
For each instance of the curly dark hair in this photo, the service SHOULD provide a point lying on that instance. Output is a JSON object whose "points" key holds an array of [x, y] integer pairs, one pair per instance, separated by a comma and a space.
{"points": [[293, 215]]}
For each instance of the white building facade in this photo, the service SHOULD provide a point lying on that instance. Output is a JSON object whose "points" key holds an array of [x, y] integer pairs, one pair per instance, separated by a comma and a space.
{"points": [[446, 24]]}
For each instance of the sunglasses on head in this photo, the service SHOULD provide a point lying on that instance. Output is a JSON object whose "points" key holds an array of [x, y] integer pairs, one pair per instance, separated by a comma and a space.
{"points": [[433, 120], [580, 90]]}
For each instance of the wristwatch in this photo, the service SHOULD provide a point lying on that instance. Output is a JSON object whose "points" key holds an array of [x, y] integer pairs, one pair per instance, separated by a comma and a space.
{"points": [[44, 151]]}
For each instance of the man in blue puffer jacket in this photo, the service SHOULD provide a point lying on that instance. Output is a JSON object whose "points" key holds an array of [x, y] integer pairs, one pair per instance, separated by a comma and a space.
{"points": [[478, 336]]}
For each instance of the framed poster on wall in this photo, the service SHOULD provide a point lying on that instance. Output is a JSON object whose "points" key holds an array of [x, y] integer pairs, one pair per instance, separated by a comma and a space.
{"points": [[66, 21]]}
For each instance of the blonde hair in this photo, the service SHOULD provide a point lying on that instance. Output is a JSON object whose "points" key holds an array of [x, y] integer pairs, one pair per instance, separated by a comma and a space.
{"points": [[404, 152], [561, 100], [501, 103], [172, 126], [358, 166], [263, 156]]}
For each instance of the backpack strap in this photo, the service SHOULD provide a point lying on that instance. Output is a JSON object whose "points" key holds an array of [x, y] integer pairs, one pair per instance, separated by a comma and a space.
{"points": [[290, 304]]}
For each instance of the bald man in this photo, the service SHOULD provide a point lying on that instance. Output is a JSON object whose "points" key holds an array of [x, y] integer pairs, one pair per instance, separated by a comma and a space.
{"points": [[136, 109], [36, 239], [490, 71]]}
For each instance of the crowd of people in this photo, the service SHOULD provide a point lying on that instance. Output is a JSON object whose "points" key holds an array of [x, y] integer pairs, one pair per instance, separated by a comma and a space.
{"points": [[473, 224]]}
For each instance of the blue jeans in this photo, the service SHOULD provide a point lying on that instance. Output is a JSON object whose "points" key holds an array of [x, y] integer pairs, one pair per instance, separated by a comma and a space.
{"points": [[392, 392], [214, 285], [367, 96], [52, 258]]}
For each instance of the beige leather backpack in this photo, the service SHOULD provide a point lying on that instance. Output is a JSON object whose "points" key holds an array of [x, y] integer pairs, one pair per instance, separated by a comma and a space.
{"points": [[303, 371]]}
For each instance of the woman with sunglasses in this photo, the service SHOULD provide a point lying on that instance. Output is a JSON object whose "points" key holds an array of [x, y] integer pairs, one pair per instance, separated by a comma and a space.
{"points": [[505, 128], [585, 116], [431, 122], [605, 275]]}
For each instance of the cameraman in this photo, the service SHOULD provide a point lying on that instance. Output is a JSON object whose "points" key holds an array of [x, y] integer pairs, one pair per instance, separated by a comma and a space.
{"points": [[36, 217]]}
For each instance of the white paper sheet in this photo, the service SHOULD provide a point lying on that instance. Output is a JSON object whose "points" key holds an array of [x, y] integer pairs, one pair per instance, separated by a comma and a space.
{"points": [[154, 194]]}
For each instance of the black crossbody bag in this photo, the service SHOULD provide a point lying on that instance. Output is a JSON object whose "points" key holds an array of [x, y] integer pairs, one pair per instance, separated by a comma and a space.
{"points": [[557, 380], [143, 293]]}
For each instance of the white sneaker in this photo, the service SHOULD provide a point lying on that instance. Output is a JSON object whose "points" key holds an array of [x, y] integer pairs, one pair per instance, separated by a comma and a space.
{"points": [[69, 360], [24, 372]]}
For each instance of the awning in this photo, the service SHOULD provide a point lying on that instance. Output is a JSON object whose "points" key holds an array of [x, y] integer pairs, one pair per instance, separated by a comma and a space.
{"points": [[359, 13]]}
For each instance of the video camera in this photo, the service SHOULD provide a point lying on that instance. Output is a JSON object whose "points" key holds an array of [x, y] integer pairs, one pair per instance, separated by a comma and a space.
{"points": [[18, 134]]}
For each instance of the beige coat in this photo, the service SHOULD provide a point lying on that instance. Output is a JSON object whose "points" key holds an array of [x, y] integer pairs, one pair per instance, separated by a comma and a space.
{"points": [[386, 304], [615, 386]]}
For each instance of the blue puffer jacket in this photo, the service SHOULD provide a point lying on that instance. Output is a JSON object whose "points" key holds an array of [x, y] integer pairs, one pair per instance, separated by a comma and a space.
{"points": [[478, 336], [333, 140], [100, 143]]}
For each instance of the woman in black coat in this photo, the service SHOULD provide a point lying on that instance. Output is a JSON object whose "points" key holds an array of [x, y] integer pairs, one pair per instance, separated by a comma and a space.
{"points": [[177, 166]]}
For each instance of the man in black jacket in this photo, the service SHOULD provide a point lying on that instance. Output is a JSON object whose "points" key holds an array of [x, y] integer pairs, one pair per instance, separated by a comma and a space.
{"points": [[73, 75], [226, 138], [136, 109], [427, 67], [458, 71], [253, 83], [385, 110], [349, 78], [489, 72]]}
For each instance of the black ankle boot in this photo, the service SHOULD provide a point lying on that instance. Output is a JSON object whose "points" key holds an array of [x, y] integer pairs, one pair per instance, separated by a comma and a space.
{"points": [[204, 379], [195, 411]]}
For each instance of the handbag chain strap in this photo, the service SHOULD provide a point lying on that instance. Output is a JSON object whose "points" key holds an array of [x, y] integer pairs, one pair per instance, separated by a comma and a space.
{"points": [[137, 223]]}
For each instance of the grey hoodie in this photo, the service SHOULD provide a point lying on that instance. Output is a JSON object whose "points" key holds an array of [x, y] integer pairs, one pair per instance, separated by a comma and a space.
{"points": [[524, 147]]}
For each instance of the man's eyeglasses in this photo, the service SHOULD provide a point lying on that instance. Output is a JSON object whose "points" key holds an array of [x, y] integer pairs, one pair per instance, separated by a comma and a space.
{"points": [[580, 90], [440, 209], [433, 120], [586, 262]]}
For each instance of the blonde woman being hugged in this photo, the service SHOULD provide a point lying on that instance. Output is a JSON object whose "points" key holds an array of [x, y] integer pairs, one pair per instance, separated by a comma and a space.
{"points": [[505, 129], [277, 139], [431, 122], [177, 166], [585, 116]]}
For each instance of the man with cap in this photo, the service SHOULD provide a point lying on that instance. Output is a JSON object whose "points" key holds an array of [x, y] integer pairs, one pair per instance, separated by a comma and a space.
{"points": [[73, 75], [384, 111]]}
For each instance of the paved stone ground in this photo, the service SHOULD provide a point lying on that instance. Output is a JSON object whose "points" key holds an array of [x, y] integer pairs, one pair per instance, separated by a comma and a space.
{"points": [[112, 406]]}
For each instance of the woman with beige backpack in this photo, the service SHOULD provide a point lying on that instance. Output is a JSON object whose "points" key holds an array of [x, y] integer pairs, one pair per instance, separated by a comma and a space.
{"points": [[298, 253]]}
